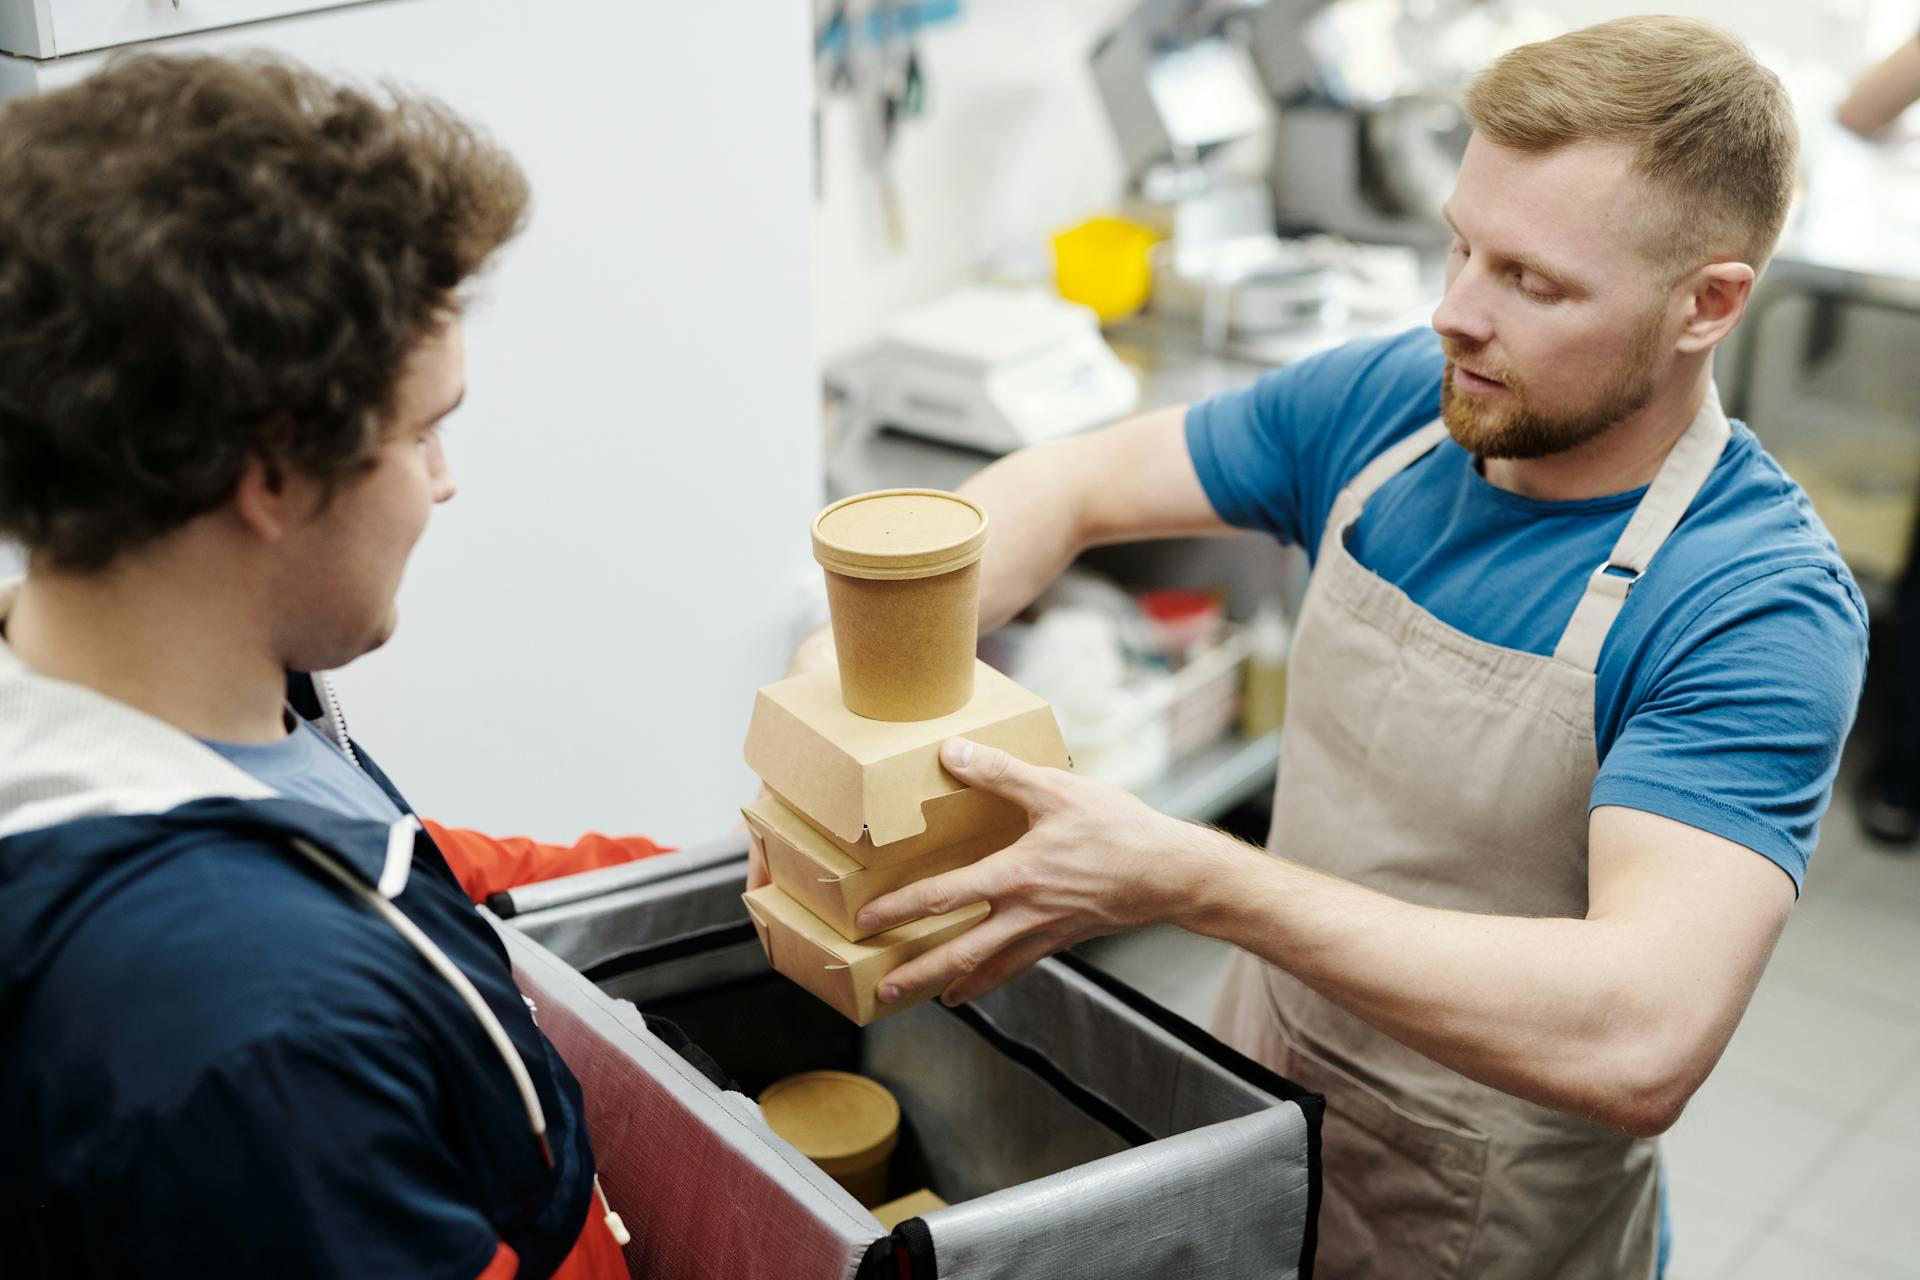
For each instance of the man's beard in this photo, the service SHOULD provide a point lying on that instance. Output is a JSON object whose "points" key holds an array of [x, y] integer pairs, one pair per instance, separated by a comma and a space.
{"points": [[1514, 428]]}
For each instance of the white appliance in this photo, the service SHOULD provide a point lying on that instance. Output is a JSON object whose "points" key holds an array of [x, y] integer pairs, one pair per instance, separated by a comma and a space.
{"points": [[996, 370]]}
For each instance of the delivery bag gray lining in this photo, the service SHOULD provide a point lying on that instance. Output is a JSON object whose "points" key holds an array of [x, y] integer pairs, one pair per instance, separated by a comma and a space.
{"points": [[1171, 1208], [1133, 1144]]}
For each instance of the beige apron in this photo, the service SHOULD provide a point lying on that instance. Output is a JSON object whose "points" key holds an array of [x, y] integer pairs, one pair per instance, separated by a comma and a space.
{"points": [[1450, 772]]}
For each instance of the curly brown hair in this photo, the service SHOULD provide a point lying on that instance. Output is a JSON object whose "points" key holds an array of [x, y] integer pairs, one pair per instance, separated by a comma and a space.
{"points": [[206, 260]]}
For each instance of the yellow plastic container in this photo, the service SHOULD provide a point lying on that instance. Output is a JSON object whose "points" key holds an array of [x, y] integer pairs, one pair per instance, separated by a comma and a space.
{"points": [[1104, 263]]}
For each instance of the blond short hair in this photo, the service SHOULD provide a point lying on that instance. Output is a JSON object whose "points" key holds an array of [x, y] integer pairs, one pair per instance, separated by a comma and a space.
{"points": [[1711, 130]]}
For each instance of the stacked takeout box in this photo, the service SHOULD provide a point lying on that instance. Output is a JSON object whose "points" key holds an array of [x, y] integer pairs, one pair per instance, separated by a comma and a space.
{"points": [[858, 804]]}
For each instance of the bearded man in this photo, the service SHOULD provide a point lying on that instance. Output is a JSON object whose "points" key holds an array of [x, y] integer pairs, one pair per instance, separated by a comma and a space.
{"points": [[1569, 691]]}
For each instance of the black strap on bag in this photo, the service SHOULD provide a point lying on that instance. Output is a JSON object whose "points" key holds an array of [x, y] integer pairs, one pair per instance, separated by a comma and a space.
{"points": [[681, 1043], [907, 1254]]}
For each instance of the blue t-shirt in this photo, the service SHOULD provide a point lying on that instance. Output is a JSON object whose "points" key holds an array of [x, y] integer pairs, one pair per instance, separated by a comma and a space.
{"points": [[1726, 686], [307, 765]]}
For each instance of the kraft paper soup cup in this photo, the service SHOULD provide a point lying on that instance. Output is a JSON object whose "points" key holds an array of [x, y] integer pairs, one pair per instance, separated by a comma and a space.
{"points": [[903, 585], [846, 1124]]}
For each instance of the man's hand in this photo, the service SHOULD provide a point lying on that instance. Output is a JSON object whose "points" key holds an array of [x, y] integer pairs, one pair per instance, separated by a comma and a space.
{"points": [[1096, 860], [815, 652]]}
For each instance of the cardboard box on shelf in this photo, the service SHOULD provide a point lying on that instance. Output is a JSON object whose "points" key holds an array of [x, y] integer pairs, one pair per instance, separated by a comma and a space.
{"points": [[817, 873], [842, 973], [853, 777]]}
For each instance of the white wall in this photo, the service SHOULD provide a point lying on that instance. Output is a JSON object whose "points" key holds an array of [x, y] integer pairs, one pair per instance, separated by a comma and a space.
{"points": [[583, 627]]}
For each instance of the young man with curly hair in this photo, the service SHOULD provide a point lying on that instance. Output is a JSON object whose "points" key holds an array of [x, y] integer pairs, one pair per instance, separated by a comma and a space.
{"points": [[250, 1024]]}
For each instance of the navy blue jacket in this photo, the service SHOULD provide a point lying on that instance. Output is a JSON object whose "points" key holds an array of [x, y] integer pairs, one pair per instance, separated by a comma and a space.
{"points": [[215, 1060]]}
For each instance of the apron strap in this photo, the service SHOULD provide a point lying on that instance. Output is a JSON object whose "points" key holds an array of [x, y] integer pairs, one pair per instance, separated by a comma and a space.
{"points": [[1687, 466], [1402, 455], [1351, 500]]}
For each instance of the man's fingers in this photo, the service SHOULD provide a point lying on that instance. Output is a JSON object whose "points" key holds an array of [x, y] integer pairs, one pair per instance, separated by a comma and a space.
{"points": [[955, 958], [1010, 963], [934, 896], [756, 863], [991, 769]]}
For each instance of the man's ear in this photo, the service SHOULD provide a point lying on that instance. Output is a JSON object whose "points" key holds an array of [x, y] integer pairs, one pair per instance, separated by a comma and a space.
{"points": [[265, 500], [1717, 298]]}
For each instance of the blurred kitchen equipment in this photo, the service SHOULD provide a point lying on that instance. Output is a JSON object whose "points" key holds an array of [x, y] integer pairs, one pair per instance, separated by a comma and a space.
{"points": [[1371, 130], [1250, 286], [1359, 100], [996, 370], [1191, 115]]}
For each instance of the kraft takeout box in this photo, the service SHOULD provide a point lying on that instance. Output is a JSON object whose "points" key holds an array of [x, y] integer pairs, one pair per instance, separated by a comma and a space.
{"points": [[847, 974], [874, 783], [816, 873], [953, 818], [894, 1212]]}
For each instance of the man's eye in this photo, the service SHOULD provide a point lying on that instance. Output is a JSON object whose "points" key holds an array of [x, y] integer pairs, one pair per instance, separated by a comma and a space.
{"points": [[1537, 295]]}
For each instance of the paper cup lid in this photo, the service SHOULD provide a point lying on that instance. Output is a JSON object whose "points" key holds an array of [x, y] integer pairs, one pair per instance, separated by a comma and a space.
{"points": [[840, 1121], [899, 533]]}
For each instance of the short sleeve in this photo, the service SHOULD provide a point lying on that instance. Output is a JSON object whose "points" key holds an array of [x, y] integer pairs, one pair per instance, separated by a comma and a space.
{"points": [[287, 1159], [1272, 456], [1739, 728]]}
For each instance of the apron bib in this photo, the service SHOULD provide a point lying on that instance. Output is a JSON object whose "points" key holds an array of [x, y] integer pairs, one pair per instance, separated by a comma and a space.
{"points": [[1452, 773]]}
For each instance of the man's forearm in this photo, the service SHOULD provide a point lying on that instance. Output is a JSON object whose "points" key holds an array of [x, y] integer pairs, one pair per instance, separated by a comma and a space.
{"points": [[1884, 92], [1034, 531], [1558, 1011], [1048, 504]]}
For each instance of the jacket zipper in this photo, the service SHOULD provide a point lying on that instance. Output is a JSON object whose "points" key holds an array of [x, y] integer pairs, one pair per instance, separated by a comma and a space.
{"points": [[338, 717]]}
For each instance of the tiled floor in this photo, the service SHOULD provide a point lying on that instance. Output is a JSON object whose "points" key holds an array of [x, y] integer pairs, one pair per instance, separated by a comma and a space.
{"points": [[1801, 1155]]}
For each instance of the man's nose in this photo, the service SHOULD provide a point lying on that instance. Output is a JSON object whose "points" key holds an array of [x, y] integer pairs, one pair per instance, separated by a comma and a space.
{"points": [[444, 485], [1462, 315]]}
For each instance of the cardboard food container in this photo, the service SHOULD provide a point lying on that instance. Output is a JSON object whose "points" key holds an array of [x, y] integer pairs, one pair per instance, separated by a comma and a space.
{"points": [[847, 974], [816, 873], [845, 1123], [894, 1212], [903, 586], [955, 817], [872, 783]]}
